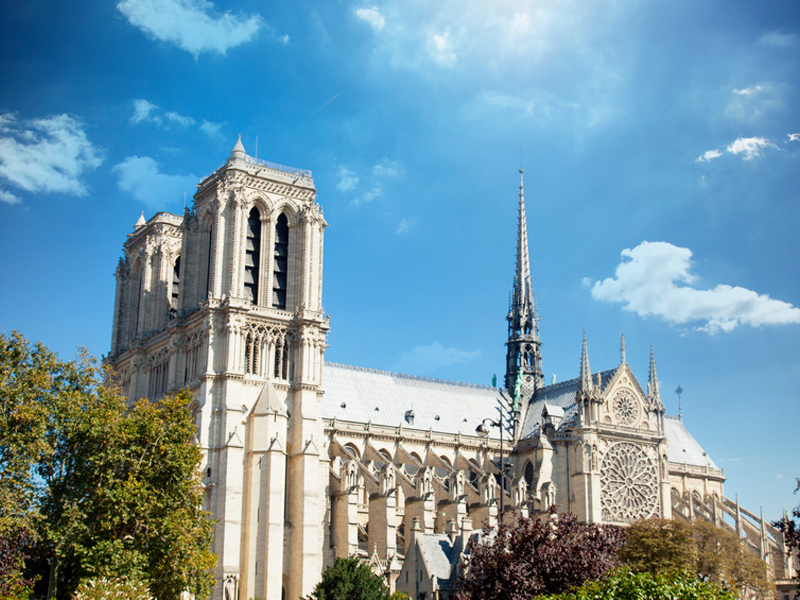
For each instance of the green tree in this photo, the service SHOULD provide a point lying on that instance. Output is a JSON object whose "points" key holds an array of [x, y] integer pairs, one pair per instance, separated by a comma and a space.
{"points": [[659, 545], [104, 490], [790, 528], [349, 579], [530, 557], [623, 584], [711, 552]]}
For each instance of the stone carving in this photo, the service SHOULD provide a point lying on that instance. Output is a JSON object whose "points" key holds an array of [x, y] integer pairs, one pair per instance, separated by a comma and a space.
{"points": [[625, 407]]}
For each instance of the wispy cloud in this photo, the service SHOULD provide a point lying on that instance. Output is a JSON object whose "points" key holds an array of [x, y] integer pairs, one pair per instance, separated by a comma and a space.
{"points": [[145, 111], [140, 177], [372, 16], [708, 155], [191, 25], [403, 226], [793, 137], [441, 48], [429, 358], [372, 181], [347, 180], [654, 279], [778, 39], [49, 154], [753, 103]]}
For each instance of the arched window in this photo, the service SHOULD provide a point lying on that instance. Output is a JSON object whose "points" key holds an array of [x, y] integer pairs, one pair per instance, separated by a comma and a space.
{"points": [[528, 474], [176, 280], [280, 268], [252, 257]]}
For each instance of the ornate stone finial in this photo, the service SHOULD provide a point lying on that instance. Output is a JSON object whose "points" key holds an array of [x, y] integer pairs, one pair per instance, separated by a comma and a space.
{"points": [[622, 360], [238, 150], [141, 222], [586, 370], [653, 389]]}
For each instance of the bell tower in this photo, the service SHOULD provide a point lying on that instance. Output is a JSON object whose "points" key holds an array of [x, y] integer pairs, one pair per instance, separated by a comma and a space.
{"points": [[523, 355]]}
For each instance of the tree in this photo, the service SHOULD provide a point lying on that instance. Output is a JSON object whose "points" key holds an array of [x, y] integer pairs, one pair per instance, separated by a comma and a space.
{"points": [[349, 579], [658, 545], [713, 553], [623, 584], [104, 491], [790, 528], [530, 557]]}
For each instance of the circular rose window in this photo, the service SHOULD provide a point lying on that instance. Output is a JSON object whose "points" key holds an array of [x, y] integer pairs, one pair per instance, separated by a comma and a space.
{"points": [[625, 408], [629, 484]]}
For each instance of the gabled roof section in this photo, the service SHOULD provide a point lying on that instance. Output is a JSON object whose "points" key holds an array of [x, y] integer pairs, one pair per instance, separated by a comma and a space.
{"points": [[362, 395], [561, 395], [440, 555], [682, 447]]}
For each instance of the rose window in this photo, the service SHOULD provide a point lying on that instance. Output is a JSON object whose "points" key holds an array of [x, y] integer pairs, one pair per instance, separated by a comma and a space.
{"points": [[629, 484], [625, 408]]}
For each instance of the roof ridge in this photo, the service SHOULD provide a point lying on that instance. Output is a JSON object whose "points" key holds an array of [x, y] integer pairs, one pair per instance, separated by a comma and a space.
{"points": [[411, 377]]}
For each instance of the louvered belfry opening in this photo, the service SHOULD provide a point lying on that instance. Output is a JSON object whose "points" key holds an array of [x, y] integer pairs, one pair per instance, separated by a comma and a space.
{"points": [[252, 256], [281, 263]]}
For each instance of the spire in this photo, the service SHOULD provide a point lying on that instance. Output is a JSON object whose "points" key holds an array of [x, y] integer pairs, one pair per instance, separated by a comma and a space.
{"points": [[586, 370], [238, 149], [141, 221], [622, 360], [523, 355], [653, 389]]}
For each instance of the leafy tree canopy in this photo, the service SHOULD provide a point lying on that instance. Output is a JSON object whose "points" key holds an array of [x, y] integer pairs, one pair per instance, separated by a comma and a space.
{"points": [[530, 557], [349, 579], [713, 553], [101, 490], [623, 584]]}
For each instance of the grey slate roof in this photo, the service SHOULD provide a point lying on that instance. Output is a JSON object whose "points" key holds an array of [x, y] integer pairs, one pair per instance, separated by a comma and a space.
{"points": [[439, 553], [682, 447], [365, 395], [561, 395]]}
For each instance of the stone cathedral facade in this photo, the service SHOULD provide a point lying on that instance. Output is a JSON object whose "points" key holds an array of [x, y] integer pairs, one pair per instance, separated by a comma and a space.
{"points": [[306, 461]]}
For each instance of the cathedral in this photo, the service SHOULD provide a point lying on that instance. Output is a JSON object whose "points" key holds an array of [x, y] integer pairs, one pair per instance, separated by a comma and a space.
{"points": [[307, 460]]}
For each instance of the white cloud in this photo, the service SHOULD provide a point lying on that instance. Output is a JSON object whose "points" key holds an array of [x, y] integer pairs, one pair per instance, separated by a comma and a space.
{"points": [[753, 103], [388, 168], [212, 130], [9, 198], [750, 147], [347, 180], [372, 16], [190, 24], [145, 111], [366, 197], [793, 137], [654, 279], [778, 39], [403, 226], [441, 48], [139, 176], [708, 155], [49, 154], [748, 91], [427, 359]]}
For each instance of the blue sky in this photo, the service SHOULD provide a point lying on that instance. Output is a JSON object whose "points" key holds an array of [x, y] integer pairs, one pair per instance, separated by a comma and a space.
{"points": [[660, 142]]}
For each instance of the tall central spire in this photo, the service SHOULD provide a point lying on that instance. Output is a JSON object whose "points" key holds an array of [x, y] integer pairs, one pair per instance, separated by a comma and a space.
{"points": [[523, 356]]}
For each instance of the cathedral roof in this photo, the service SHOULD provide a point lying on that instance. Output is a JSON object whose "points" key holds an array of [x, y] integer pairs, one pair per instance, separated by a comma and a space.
{"points": [[561, 395], [682, 447], [363, 395]]}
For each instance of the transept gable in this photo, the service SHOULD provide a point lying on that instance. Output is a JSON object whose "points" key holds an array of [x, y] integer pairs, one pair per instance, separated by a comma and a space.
{"points": [[624, 402]]}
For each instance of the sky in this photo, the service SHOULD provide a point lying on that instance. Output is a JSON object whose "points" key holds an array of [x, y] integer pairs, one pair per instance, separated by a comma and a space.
{"points": [[660, 142]]}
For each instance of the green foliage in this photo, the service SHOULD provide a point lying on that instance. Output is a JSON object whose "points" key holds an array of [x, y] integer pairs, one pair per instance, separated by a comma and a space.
{"points": [[349, 579], [112, 589], [658, 545], [398, 595], [624, 584], [790, 528], [103, 491], [713, 553]]}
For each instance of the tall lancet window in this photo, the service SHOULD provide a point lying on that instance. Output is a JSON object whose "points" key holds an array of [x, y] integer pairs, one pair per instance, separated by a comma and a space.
{"points": [[252, 256], [176, 281], [281, 265]]}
